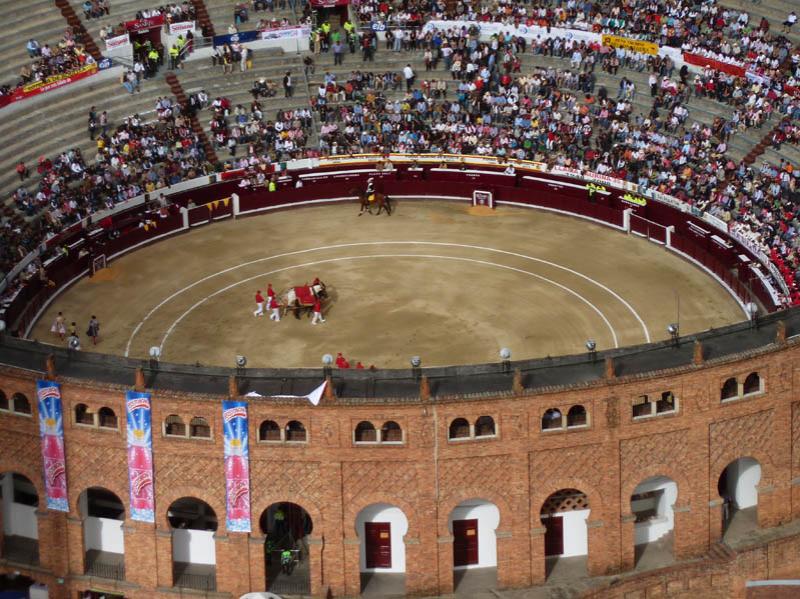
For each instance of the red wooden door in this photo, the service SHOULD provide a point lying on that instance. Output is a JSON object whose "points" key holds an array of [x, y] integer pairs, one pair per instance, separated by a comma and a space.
{"points": [[465, 542], [379, 544], [554, 535]]}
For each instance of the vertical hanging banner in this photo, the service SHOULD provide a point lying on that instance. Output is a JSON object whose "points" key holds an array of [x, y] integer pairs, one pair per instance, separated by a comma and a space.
{"points": [[140, 456], [237, 467], [51, 429]]}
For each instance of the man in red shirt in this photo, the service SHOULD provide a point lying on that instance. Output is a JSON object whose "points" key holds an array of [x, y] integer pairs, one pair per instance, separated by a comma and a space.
{"points": [[275, 309], [270, 292], [341, 361], [317, 312], [259, 304]]}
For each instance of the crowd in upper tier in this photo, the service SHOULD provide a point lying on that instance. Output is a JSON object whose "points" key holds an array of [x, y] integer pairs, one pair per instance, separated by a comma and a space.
{"points": [[475, 96]]}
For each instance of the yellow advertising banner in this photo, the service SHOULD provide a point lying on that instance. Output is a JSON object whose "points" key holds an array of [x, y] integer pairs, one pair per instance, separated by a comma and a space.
{"points": [[640, 46], [78, 73]]}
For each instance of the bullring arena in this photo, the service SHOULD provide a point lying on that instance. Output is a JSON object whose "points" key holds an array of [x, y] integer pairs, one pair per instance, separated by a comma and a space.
{"points": [[564, 365]]}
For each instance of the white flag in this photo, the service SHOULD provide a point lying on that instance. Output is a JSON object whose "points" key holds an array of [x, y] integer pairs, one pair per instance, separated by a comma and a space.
{"points": [[314, 397]]}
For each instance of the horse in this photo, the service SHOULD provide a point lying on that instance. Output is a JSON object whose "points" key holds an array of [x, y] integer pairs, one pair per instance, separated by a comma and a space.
{"points": [[382, 201]]}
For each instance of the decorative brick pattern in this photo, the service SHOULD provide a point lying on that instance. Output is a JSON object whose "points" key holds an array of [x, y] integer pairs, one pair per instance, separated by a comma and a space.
{"points": [[579, 462], [642, 453], [488, 473], [292, 478], [362, 478], [739, 437], [88, 467], [796, 435]]}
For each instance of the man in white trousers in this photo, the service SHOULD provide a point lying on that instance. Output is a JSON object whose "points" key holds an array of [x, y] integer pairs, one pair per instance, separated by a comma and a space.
{"points": [[275, 309], [317, 312], [259, 304]]}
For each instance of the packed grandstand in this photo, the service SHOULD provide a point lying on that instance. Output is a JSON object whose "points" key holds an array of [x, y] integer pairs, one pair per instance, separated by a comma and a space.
{"points": [[697, 100]]}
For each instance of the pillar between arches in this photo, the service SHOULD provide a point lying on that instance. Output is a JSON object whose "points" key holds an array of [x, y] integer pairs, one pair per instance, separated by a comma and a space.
{"points": [[141, 557], [715, 520], [352, 567], [599, 562], [257, 561], [684, 543], [538, 567], [164, 558], [444, 548], [52, 556], [627, 539], [233, 562], [77, 549], [315, 546]]}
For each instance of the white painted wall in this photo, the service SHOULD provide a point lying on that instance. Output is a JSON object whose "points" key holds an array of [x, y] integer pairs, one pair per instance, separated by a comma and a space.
{"points": [[18, 519], [653, 530], [38, 591], [576, 535], [488, 517], [743, 477], [193, 546], [383, 512], [104, 534]]}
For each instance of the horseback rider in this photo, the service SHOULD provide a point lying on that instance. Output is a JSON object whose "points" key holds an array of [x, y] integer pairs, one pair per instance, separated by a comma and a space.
{"points": [[371, 190]]}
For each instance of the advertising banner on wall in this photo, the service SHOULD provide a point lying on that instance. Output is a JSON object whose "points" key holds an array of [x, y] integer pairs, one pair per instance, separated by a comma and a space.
{"points": [[144, 24], [140, 456], [283, 33], [640, 46], [51, 429], [182, 27], [119, 41], [237, 466]]}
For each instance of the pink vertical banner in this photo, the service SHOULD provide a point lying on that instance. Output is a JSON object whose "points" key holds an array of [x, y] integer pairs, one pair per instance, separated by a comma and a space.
{"points": [[140, 456], [51, 429], [237, 466]]}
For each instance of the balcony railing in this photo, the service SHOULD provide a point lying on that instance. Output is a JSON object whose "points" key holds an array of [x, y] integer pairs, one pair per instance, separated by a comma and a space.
{"points": [[21, 550], [104, 564], [200, 577]]}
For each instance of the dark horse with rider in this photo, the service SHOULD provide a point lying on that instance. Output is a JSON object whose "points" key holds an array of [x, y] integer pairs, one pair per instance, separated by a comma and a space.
{"points": [[371, 198]]}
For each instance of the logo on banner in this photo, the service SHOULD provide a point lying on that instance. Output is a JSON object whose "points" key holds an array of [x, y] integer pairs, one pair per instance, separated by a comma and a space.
{"points": [[51, 430], [237, 466], [140, 456]]}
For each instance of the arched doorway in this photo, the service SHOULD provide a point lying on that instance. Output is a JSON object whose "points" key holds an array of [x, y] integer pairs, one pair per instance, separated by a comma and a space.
{"points": [[287, 527], [382, 550], [194, 555], [566, 538], [472, 524], [103, 517], [20, 525], [738, 488], [651, 504]]}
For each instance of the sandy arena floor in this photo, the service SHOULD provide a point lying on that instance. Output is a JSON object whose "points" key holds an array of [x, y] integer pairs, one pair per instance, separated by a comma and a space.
{"points": [[441, 280]]}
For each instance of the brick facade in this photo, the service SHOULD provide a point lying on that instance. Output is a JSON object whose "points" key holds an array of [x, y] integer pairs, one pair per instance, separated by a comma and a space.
{"points": [[428, 475]]}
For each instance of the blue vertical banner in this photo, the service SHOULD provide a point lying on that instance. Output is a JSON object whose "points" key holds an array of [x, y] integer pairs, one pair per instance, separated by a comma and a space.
{"points": [[237, 466], [51, 430], [140, 456]]}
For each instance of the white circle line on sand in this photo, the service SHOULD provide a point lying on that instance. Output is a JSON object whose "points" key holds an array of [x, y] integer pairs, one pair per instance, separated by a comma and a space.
{"points": [[346, 258], [172, 296]]}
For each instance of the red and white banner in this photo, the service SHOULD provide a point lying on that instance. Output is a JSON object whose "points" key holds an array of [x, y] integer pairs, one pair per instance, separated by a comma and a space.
{"points": [[182, 27], [284, 33], [51, 83], [724, 67], [144, 24], [112, 43]]}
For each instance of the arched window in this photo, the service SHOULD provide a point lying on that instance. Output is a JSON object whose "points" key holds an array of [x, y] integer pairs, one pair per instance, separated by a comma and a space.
{"points": [[269, 431], [459, 429], [576, 416], [666, 403], [484, 427], [174, 426], [730, 389], [391, 432], [366, 433], [21, 404], [752, 384], [108, 419], [199, 428], [82, 415], [3, 401], [295, 431], [551, 419]]}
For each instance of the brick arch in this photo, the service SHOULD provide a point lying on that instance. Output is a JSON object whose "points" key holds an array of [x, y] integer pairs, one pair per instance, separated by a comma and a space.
{"points": [[167, 498], [36, 479], [540, 495], [256, 510], [767, 470], [675, 474], [449, 503], [108, 485], [362, 501]]}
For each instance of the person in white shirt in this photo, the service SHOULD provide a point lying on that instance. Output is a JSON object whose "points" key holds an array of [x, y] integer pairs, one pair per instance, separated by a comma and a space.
{"points": [[409, 75]]}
